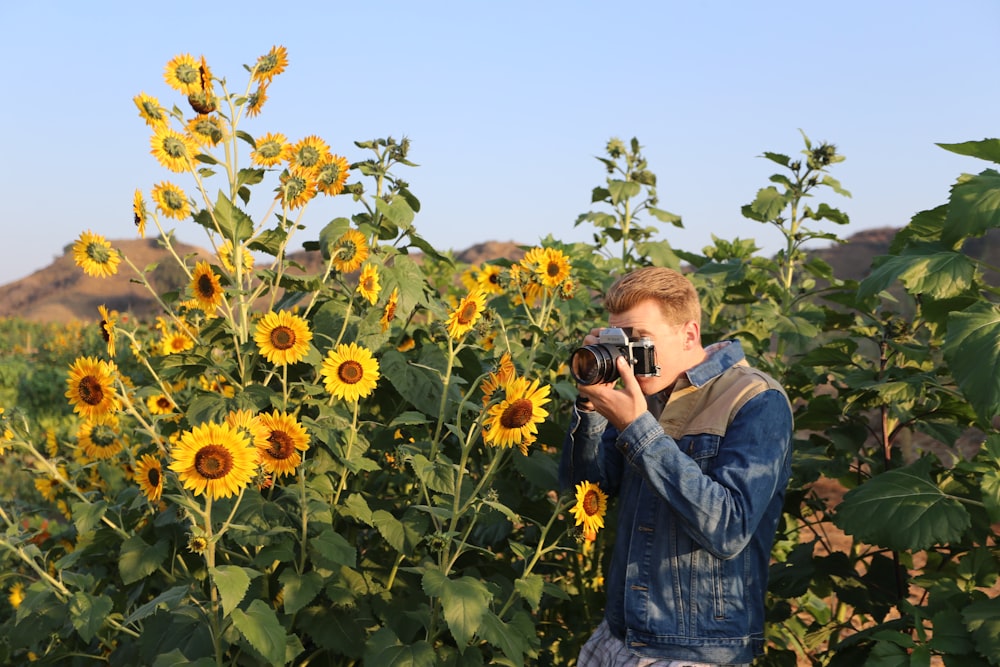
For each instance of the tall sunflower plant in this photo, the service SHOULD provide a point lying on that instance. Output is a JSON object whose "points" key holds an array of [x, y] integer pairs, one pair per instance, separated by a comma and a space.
{"points": [[310, 457]]}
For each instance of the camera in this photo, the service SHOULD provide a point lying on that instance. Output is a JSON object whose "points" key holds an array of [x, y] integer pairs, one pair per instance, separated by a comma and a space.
{"points": [[595, 364]]}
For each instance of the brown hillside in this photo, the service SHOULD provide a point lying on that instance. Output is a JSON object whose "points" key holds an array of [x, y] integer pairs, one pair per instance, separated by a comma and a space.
{"points": [[61, 292]]}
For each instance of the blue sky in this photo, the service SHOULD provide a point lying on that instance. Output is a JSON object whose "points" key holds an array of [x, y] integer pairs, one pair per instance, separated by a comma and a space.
{"points": [[507, 104]]}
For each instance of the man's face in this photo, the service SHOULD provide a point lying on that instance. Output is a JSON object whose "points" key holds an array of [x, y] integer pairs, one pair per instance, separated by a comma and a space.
{"points": [[677, 346]]}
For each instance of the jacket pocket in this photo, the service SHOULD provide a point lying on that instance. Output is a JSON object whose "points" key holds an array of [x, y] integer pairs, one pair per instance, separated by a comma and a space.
{"points": [[703, 448]]}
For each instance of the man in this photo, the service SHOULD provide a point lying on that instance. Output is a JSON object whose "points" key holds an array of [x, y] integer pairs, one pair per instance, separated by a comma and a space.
{"points": [[698, 457]]}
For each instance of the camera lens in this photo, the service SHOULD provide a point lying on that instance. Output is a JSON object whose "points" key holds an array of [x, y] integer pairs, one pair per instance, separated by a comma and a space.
{"points": [[594, 364]]}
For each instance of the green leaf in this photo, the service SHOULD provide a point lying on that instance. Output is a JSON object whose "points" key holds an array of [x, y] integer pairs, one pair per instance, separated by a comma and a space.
{"points": [[232, 582], [950, 633], [137, 559], [982, 618], [783, 160], [417, 654], [398, 212], [622, 190], [437, 476], [974, 206], [463, 600], [767, 206], [168, 599], [665, 216], [88, 612], [331, 549], [939, 275], [530, 588], [259, 625], [86, 515], [972, 349], [298, 590], [512, 638], [227, 219], [902, 510], [986, 149]]}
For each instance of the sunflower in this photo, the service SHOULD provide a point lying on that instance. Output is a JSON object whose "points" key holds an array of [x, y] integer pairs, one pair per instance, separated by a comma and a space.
{"points": [[554, 269], [244, 254], [488, 278], [271, 150], [368, 284], [350, 372], [182, 74], [255, 102], [406, 344], [203, 100], [297, 187], [94, 255], [139, 215], [504, 373], [270, 65], [309, 153], [389, 314], [249, 424], [197, 544], [176, 341], [349, 251], [207, 130], [173, 150], [468, 312], [516, 416], [107, 327], [149, 474], [91, 387], [217, 385], [591, 506], [214, 459], [282, 338], [16, 595], [331, 175], [286, 437], [159, 404], [206, 287], [150, 110], [171, 201], [100, 438]]}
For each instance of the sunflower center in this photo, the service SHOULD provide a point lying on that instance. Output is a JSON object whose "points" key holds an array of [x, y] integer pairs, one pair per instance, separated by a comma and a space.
{"points": [[185, 73], [552, 269], [282, 338], [105, 331], [174, 147], [205, 286], [348, 250], [269, 149], [591, 503], [98, 252], [172, 199], [102, 435], [350, 372], [153, 477], [294, 187], [163, 403], [281, 445], [308, 156], [494, 279], [267, 63], [468, 312], [91, 391], [368, 284], [390, 310], [517, 414], [213, 461]]}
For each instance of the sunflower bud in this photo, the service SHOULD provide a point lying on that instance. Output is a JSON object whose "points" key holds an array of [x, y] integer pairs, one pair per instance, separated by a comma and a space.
{"points": [[203, 102]]}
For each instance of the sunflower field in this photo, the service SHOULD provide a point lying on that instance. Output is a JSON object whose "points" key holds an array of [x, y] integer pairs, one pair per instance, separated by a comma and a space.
{"points": [[353, 460]]}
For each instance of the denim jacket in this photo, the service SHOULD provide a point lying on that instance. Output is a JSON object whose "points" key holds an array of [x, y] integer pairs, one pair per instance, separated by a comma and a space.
{"points": [[699, 492]]}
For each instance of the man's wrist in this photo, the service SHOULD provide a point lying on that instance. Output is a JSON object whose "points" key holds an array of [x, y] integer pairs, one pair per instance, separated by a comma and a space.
{"points": [[584, 404]]}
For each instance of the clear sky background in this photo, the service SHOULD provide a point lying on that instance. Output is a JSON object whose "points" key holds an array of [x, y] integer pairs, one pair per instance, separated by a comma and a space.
{"points": [[507, 104]]}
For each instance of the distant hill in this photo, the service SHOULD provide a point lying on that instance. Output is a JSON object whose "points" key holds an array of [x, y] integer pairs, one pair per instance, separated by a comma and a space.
{"points": [[61, 292]]}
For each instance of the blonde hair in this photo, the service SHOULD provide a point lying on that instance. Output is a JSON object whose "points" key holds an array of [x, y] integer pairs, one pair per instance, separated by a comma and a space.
{"points": [[675, 294]]}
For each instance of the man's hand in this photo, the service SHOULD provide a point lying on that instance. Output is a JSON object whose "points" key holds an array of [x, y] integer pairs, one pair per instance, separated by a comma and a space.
{"points": [[622, 406]]}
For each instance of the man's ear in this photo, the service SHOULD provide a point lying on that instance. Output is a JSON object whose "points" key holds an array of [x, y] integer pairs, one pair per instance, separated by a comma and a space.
{"points": [[692, 335]]}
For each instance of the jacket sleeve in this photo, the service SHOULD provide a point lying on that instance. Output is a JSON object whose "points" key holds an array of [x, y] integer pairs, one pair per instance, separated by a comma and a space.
{"points": [[722, 506], [589, 453]]}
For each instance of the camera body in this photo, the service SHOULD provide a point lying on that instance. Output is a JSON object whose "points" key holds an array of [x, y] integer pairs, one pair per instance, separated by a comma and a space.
{"points": [[595, 364]]}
